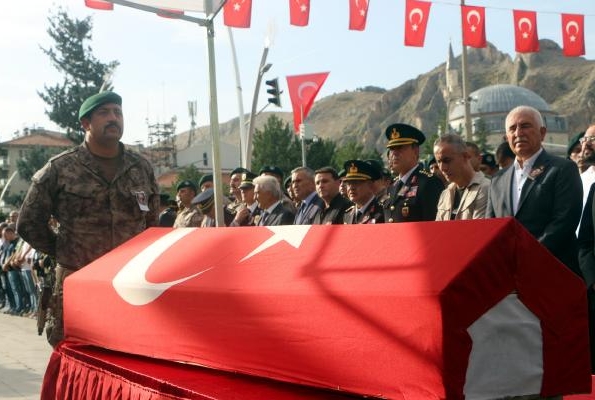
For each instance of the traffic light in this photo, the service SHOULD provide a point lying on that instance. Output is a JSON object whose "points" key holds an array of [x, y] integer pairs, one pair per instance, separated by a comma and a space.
{"points": [[273, 90]]}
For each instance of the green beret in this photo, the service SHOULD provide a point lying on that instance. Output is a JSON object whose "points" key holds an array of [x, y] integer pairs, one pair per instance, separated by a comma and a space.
{"points": [[204, 179], [573, 142], [97, 100]]}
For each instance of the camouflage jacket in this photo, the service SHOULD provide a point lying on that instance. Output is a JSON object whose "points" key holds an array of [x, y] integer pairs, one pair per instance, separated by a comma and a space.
{"points": [[189, 217], [94, 215]]}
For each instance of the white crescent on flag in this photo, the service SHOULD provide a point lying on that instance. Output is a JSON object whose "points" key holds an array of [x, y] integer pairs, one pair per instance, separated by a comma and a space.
{"points": [[131, 283], [571, 24], [473, 13], [305, 85], [526, 21], [416, 11]]}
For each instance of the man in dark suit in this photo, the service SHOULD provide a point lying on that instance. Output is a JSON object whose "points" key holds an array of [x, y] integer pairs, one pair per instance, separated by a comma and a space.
{"points": [[359, 176], [304, 189], [268, 194], [327, 183], [414, 194], [543, 192]]}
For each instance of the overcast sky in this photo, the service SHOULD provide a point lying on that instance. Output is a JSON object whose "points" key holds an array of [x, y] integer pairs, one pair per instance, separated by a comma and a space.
{"points": [[163, 63]]}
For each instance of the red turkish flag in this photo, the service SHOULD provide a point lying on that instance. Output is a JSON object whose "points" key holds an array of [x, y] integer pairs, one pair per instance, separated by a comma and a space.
{"points": [[237, 13], [573, 34], [99, 4], [299, 12], [358, 13], [302, 92], [525, 31], [417, 14], [474, 32]]}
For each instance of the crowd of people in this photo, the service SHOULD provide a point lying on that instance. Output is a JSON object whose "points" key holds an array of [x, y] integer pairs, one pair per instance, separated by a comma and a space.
{"points": [[94, 197]]}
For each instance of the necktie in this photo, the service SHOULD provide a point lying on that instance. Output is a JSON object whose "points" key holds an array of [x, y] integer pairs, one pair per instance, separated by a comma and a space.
{"points": [[263, 217]]}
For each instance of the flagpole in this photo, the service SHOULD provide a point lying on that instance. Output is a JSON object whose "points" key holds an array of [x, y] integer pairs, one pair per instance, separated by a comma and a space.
{"points": [[303, 135], [466, 100], [241, 116]]}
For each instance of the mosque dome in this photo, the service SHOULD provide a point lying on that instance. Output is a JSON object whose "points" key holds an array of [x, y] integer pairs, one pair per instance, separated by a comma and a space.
{"points": [[500, 99]]}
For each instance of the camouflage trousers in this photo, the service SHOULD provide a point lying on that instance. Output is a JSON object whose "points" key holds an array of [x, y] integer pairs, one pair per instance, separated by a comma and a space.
{"points": [[55, 323]]}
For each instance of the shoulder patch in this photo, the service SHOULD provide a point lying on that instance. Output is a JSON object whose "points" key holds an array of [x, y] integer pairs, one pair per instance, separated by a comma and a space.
{"points": [[426, 172]]}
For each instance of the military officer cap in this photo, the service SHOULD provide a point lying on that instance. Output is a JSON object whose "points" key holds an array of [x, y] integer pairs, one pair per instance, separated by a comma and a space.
{"points": [[271, 169], [377, 165], [402, 134], [204, 179], [342, 173], [247, 179], [97, 100], [204, 200], [573, 142], [239, 170], [489, 160], [358, 170], [186, 184]]}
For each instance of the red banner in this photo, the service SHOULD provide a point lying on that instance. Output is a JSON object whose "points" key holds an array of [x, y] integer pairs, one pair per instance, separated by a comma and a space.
{"points": [[302, 92], [358, 14], [299, 12], [525, 31], [99, 4], [473, 23], [417, 14], [573, 34], [237, 13]]}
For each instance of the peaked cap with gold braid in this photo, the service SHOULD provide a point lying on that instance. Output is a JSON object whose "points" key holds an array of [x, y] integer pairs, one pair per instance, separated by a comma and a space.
{"points": [[358, 170], [402, 134]]}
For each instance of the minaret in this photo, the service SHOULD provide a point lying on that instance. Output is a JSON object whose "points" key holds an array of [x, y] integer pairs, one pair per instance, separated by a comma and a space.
{"points": [[452, 75]]}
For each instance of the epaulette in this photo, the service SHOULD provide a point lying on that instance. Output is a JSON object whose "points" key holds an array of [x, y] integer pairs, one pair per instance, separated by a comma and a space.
{"points": [[426, 173], [64, 153]]}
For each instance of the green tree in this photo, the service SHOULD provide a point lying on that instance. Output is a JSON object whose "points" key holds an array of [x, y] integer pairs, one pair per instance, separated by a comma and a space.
{"points": [[84, 74], [276, 145], [350, 151], [189, 173], [320, 153], [480, 136], [34, 159]]}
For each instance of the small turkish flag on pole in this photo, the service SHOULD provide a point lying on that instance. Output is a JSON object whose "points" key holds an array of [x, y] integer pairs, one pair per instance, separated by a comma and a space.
{"points": [[474, 32], [416, 20], [299, 12], [237, 13], [525, 31], [302, 92], [358, 13], [99, 4], [573, 34]]}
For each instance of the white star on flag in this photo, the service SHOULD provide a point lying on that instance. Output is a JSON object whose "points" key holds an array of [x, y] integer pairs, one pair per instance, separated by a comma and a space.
{"points": [[303, 8], [473, 28], [362, 12], [572, 38], [292, 234], [237, 7], [525, 35], [414, 27]]}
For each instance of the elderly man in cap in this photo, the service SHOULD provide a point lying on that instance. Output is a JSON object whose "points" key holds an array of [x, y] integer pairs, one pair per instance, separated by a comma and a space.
{"points": [[189, 216], [415, 192], [205, 201], [100, 193], [360, 177], [248, 208]]}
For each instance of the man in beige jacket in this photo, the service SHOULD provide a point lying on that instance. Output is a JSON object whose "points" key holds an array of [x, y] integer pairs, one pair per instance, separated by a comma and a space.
{"points": [[466, 196]]}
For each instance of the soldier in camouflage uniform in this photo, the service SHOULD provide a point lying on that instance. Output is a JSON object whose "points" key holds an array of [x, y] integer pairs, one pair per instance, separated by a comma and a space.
{"points": [[100, 194], [189, 216]]}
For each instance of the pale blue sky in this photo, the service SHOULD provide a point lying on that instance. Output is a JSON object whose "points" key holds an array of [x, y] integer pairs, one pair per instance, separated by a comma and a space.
{"points": [[163, 62]]}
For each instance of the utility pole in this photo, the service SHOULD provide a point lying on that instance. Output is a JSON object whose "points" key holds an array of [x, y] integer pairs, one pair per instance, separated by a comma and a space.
{"points": [[466, 100]]}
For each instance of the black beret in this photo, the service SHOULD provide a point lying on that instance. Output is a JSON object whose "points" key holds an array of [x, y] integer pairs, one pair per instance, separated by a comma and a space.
{"points": [[204, 179], [489, 160], [402, 134], [573, 142], [186, 184], [247, 179], [358, 170], [271, 169], [204, 200], [97, 100], [239, 170]]}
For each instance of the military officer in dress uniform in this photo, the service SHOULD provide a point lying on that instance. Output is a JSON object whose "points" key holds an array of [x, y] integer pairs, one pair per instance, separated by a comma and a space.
{"points": [[359, 177], [415, 192]]}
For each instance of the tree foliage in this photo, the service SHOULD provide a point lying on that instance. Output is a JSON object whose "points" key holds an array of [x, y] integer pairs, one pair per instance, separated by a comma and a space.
{"points": [[276, 145], [351, 151], [189, 173], [35, 159], [84, 74]]}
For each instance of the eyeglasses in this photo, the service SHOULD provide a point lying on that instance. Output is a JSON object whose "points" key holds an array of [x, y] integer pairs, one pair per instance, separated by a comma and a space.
{"points": [[587, 139]]}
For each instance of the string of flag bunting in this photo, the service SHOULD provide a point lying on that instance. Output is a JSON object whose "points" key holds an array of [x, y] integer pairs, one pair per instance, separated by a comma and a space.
{"points": [[238, 14]]}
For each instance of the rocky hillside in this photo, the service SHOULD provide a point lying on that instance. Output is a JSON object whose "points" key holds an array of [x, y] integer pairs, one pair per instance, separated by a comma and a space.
{"points": [[567, 84]]}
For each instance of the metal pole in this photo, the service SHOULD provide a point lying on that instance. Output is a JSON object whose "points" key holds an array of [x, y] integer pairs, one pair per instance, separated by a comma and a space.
{"points": [[241, 118], [214, 123], [466, 99], [263, 61], [303, 136]]}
